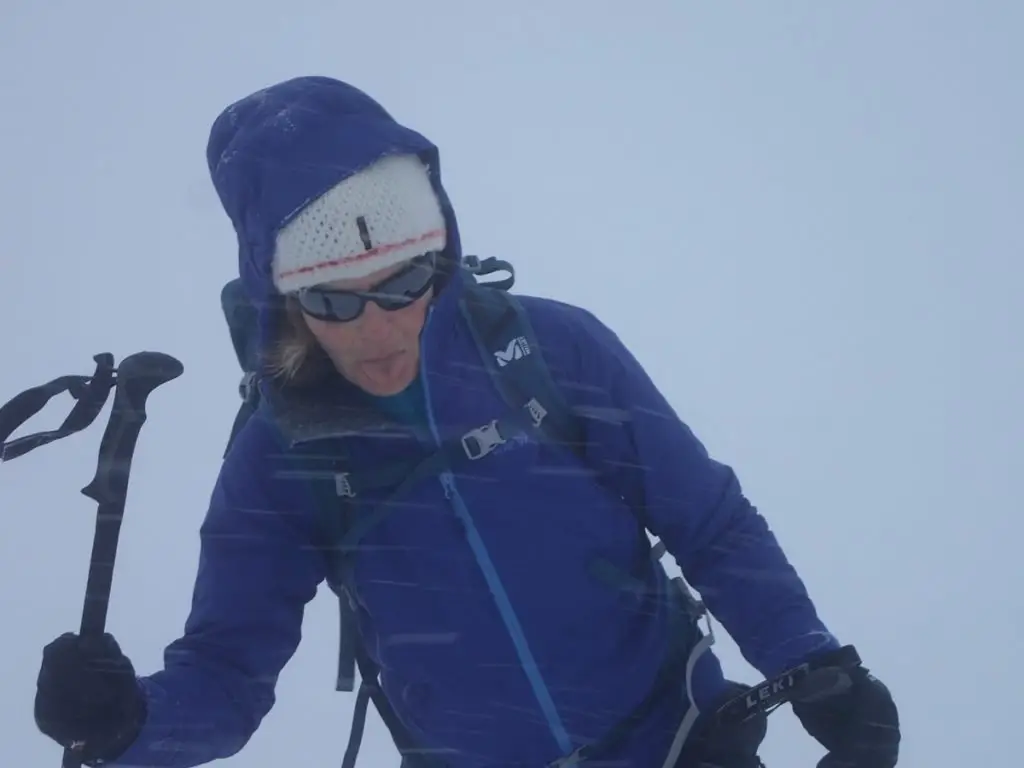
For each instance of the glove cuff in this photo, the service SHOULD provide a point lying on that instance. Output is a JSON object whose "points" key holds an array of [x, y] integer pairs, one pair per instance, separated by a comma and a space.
{"points": [[134, 719]]}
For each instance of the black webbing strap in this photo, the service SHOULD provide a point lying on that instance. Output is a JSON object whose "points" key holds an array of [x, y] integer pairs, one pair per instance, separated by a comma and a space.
{"points": [[90, 392]]}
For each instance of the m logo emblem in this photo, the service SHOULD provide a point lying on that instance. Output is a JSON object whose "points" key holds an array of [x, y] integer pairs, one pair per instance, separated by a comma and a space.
{"points": [[517, 349]]}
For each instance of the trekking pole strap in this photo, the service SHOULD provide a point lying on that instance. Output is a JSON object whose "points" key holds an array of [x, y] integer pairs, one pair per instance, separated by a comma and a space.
{"points": [[90, 392]]}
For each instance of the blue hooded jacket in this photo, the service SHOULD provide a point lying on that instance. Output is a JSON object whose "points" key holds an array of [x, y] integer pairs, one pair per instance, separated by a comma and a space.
{"points": [[497, 645]]}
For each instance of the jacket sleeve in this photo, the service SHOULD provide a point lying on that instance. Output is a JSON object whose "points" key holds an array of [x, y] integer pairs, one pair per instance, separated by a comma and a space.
{"points": [[692, 502], [256, 573]]}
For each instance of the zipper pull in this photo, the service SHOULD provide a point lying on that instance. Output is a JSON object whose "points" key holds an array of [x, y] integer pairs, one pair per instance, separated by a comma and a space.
{"points": [[448, 484]]}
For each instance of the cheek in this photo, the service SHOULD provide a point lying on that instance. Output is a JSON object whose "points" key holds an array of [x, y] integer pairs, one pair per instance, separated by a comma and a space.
{"points": [[412, 321], [317, 327], [415, 316], [334, 337]]}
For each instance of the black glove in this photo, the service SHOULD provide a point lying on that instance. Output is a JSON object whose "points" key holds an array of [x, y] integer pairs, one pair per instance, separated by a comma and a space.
{"points": [[859, 726], [727, 745], [87, 697]]}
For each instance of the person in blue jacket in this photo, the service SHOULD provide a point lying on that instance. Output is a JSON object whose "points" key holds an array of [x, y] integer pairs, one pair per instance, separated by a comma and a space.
{"points": [[497, 645]]}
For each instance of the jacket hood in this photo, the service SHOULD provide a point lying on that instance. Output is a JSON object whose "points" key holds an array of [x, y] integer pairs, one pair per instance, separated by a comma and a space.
{"points": [[278, 149]]}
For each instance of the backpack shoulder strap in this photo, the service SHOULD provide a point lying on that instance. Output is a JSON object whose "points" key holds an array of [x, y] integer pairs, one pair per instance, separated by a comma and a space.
{"points": [[332, 493], [241, 317], [510, 350]]}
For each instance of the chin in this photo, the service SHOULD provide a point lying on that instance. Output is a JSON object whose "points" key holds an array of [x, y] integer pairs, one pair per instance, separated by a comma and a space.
{"points": [[390, 386]]}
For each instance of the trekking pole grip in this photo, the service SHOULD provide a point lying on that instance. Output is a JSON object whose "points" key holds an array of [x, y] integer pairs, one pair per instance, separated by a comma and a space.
{"points": [[137, 376]]}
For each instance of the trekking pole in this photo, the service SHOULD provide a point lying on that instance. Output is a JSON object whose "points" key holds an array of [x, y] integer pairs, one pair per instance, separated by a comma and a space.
{"points": [[137, 376], [132, 381]]}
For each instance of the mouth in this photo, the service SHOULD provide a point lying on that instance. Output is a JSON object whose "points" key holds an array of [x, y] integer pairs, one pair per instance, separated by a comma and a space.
{"points": [[383, 358]]}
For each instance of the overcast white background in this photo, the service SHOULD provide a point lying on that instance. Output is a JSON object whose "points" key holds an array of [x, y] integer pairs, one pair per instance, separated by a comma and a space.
{"points": [[803, 217]]}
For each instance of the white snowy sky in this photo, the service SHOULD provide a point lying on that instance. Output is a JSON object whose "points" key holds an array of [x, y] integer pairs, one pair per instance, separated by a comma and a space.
{"points": [[800, 215]]}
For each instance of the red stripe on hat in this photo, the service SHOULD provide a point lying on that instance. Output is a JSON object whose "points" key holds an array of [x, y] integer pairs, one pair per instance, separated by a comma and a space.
{"points": [[378, 251]]}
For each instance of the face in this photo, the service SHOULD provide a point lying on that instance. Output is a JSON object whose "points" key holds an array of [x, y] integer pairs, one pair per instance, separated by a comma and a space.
{"points": [[379, 351]]}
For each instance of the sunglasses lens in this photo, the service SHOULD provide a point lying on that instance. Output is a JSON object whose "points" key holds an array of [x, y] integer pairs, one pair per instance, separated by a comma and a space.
{"points": [[337, 306], [404, 287], [395, 292]]}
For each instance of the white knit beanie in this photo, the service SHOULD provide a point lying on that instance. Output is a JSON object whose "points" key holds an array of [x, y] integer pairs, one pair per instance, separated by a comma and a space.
{"points": [[383, 215]]}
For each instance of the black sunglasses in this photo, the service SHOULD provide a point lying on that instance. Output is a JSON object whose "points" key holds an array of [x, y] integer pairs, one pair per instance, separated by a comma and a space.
{"points": [[395, 292]]}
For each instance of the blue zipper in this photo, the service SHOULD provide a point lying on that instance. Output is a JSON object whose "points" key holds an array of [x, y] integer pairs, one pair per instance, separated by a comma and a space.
{"points": [[490, 573]]}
